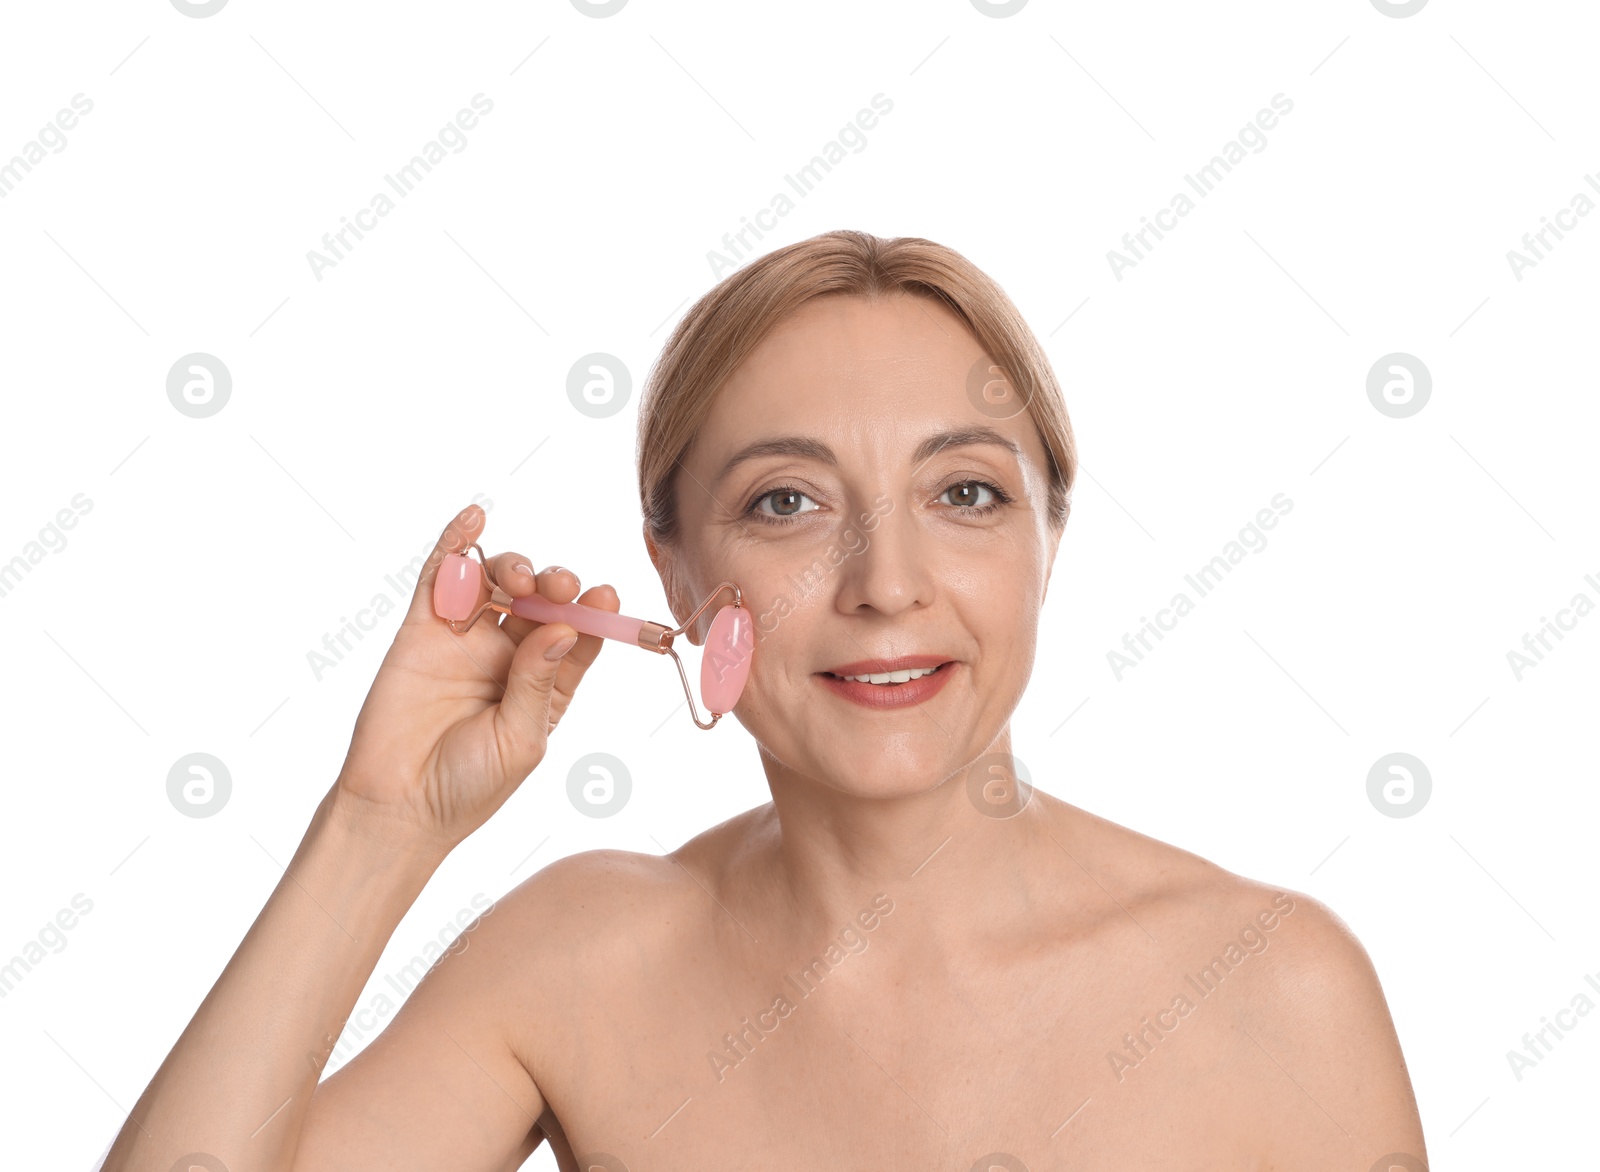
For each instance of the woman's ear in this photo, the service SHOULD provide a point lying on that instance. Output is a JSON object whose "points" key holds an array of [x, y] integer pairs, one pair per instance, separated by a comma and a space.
{"points": [[662, 561], [652, 548], [1050, 563]]}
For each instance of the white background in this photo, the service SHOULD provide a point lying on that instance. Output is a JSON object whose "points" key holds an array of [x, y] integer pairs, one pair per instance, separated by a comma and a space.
{"points": [[431, 363]]}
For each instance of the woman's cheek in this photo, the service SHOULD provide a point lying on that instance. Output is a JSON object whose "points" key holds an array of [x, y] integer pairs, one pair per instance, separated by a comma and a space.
{"points": [[774, 622]]}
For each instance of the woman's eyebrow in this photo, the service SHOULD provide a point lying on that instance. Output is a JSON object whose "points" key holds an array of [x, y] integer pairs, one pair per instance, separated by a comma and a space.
{"points": [[807, 448], [787, 445], [960, 438]]}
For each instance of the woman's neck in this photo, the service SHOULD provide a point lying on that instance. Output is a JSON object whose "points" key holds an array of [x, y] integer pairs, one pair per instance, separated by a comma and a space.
{"points": [[968, 852]]}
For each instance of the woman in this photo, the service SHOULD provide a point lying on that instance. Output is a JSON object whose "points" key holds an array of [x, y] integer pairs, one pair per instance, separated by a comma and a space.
{"points": [[907, 959]]}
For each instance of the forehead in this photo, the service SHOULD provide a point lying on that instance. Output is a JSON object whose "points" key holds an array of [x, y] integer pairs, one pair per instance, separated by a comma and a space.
{"points": [[848, 360]]}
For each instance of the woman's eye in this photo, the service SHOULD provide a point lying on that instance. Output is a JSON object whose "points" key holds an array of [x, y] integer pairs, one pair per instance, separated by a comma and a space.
{"points": [[785, 503], [971, 494]]}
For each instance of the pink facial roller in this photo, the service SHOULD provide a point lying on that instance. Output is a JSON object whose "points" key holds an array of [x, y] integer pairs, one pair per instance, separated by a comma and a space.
{"points": [[724, 667]]}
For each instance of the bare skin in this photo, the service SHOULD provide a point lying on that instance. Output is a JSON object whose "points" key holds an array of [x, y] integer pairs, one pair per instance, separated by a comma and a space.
{"points": [[890, 965]]}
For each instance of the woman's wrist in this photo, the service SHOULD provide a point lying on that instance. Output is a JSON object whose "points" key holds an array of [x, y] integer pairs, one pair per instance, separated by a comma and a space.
{"points": [[378, 840]]}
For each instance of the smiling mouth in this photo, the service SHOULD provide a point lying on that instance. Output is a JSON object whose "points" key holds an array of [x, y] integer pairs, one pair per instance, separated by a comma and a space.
{"points": [[891, 679]]}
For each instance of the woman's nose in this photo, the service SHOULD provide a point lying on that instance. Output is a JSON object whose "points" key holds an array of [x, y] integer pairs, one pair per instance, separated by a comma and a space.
{"points": [[891, 570]]}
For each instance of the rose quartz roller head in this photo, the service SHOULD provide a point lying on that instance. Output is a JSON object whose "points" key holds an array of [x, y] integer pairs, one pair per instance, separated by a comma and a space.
{"points": [[724, 667]]}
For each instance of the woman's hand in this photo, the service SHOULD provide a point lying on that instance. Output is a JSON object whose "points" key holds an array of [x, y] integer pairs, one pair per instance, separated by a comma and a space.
{"points": [[453, 723]]}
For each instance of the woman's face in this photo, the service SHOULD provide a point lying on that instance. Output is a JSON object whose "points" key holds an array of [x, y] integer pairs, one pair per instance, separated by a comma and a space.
{"points": [[847, 479]]}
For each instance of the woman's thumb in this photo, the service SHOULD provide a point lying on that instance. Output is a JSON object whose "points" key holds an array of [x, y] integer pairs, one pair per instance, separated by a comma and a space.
{"points": [[525, 710]]}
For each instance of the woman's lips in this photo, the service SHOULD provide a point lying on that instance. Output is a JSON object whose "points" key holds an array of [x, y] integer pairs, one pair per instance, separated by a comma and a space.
{"points": [[863, 667], [888, 695]]}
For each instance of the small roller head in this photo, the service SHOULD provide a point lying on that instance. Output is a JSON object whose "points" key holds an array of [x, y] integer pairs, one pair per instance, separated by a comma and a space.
{"points": [[725, 666], [456, 589]]}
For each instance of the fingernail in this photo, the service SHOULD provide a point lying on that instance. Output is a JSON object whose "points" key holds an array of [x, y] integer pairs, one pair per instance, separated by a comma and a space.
{"points": [[523, 569], [564, 570], [557, 650]]}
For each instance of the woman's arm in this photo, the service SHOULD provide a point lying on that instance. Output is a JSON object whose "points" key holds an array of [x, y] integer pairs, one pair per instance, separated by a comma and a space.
{"points": [[1327, 1044], [450, 728], [238, 1082], [444, 1085]]}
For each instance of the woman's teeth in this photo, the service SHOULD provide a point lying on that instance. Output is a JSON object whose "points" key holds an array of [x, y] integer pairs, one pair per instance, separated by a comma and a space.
{"points": [[892, 677]]}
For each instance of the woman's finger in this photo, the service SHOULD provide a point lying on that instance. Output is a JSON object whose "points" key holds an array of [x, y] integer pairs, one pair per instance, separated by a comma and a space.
{"points": [[556, 583], [584, 652], [559, 584], [457, 537]]}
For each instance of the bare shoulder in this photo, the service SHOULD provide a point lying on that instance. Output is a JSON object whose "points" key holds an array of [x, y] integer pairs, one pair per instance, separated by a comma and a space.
{"points": [[603, 912], [1315, 1031], [573, 916], [1192, 898], [1308, 1025]]}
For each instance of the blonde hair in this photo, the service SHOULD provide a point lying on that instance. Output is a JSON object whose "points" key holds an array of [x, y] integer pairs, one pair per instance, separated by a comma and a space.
{"points": [[732, 319]]}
